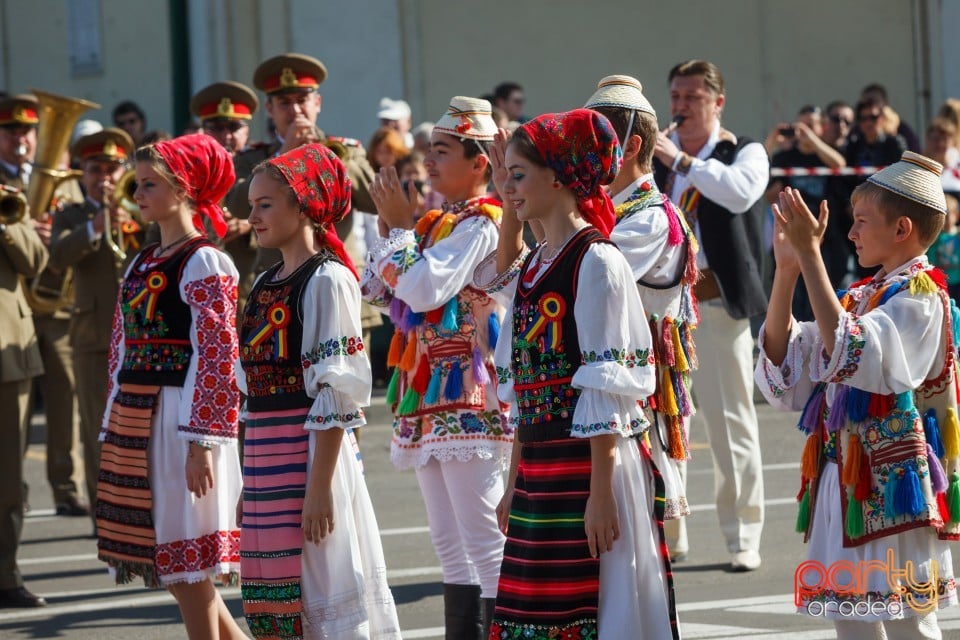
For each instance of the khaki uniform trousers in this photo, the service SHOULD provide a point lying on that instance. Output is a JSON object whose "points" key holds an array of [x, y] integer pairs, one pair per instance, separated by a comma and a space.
{"points": [[14, 424], [58, 387], [92, 376]]}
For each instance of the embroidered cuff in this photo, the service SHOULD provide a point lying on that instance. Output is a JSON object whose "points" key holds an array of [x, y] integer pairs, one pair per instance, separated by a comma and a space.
{"points": [[848, 343], [397, 239], [342, 346], [486, 278], [779, 379]]}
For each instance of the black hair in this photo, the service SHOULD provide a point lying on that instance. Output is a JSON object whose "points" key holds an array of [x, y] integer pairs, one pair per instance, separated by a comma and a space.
{"points": [[129, 106], [503, 90]]}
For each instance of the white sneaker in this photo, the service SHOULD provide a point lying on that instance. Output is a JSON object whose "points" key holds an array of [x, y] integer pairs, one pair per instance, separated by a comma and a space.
{"points": [[745, 561]]}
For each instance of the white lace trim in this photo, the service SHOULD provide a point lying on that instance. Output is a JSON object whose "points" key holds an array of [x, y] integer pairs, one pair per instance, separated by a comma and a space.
{"points": [[464, 452], [350, 611]]}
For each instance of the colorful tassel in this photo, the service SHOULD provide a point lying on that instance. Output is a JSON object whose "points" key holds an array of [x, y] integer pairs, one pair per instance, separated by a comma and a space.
{"points": [[480, 374], [433, 389], [953, 498], [955, 320], [880, 405], [836, 414], [668, 404], [865, 485], [666, 344], [396, 349], [909, 495], [409, 358], [951, 434], [393, 386], [434, 316], [449, 322], [409, 404], [397, 309], [674, 228], [682, 364], [943, 508], [412, 319], [676, 445], [931, 431], [938, 477], [811, 457], [813, 411], [921, 283], [689, 347], [889, 292], [803, 511], [890, 495], [454, 387], [493, 330], [691, 273], [421, 379], [854, 518], [851, 465], [904, 401], [857, 403]]}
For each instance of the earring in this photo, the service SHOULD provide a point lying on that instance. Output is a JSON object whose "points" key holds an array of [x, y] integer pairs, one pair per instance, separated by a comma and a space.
{"points": [[556, 184]]}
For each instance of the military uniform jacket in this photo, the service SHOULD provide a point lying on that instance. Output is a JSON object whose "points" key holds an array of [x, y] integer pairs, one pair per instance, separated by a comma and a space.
{"points": [[21, 254], [95, 274]]}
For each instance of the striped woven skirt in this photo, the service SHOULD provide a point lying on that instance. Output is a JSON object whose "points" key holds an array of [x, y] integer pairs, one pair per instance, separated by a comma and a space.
{"points": [[125, 530], [292, 588], [549, 585]]}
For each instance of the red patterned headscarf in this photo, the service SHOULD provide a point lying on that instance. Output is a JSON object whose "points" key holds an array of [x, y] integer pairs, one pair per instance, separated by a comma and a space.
{"points": [[581, 147], [205, 171], [319, 180]]}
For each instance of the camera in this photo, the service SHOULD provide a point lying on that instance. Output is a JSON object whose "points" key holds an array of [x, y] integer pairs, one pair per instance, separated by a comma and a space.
{"points": [[787, 132]]}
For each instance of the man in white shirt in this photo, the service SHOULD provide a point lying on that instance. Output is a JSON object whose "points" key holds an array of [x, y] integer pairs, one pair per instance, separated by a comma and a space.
{"points": [[717, 180]]}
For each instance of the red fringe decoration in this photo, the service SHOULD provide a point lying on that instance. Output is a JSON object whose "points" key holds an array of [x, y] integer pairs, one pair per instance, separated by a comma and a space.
{"points": [[864, 486], [421, 379], [666, 344]]}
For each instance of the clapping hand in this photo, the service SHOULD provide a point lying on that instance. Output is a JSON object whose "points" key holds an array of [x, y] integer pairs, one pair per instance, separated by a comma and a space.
{"points": [[797, 230], [395, 206]]}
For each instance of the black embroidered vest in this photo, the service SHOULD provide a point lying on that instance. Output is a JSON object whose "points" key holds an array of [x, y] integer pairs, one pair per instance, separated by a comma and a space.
{"points": [[271, 338], [156, 320], [546, 349]]}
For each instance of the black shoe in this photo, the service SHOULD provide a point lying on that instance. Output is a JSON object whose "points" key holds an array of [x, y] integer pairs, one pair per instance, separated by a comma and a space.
{"points": [[73, 506], [20, 598]]}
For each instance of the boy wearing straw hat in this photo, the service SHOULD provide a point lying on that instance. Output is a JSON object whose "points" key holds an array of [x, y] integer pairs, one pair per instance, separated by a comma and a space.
{"points": [[661, 250], [876, 378]]}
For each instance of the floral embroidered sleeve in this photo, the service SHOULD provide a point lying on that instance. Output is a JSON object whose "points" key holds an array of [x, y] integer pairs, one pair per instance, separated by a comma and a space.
{"points": [[113, 365], [788, 386], [210, 403], [891, 349], [617, 363], [499, 286], [428, 279], [336, 369]]}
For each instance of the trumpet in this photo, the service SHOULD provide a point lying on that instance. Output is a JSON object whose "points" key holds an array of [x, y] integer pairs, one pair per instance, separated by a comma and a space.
{"points": [[123, 196], [13, 205]]}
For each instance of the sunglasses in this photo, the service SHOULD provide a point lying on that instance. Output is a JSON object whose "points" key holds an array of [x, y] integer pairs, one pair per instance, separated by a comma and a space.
{"points": [[868, 117], [840, 120]]}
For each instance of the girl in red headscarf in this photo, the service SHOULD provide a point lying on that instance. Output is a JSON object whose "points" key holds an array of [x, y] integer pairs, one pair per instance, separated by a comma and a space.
{"points": [[583, 552], [169, 471], [313, 564]]}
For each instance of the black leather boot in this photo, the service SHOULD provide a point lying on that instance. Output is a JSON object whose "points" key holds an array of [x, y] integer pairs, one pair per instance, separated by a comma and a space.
{"points": [[487, 605], [461, 612]]}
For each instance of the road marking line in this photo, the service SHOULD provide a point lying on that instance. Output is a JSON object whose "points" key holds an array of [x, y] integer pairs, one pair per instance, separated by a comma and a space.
{"points": [[80, 557], [402, 531]]}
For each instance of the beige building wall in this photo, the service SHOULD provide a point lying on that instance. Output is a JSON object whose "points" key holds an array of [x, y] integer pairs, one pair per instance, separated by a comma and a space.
{"points": [[134, 41], [776, 55]]}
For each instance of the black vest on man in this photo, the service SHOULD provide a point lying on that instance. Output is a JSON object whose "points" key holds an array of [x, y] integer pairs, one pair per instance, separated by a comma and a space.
{"points": [[732, 242]]}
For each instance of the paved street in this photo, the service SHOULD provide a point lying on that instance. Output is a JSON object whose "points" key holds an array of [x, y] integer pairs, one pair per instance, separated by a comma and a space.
{"points": [[58, 558]]}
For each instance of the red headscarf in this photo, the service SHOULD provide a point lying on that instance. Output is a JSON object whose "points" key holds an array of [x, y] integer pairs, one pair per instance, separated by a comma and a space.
{"points": [[205, 171], [319, 179], [581, 147]]}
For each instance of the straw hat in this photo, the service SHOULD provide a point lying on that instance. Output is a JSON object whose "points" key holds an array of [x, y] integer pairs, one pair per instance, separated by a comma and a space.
{"points": [[915, 177], [620, 92], [468, 118], [393, 109]]}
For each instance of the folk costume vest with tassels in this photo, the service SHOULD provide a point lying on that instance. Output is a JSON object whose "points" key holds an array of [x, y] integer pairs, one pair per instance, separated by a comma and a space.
{"points": [[271, 337], [156, 320], [899, 454], [441, 357], [672, 327]]}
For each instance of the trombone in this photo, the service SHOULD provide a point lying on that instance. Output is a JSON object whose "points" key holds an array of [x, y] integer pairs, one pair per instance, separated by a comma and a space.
{"points": [[13, 205]]}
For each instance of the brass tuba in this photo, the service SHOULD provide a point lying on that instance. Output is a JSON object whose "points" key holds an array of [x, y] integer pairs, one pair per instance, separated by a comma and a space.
{"points": [[13, 205], [51, 291]]}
